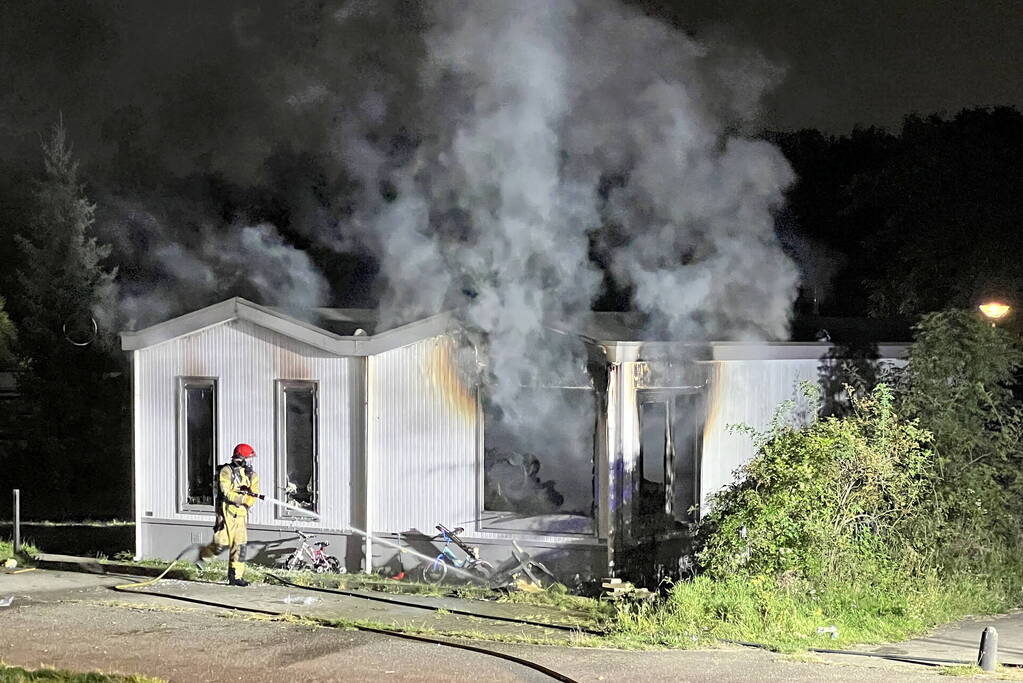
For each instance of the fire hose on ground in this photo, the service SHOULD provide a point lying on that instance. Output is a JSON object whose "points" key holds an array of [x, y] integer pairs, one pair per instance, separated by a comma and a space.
{"points": [[132, 588]]}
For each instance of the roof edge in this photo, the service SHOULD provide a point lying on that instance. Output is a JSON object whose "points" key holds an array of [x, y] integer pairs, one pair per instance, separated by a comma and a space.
{"points": [[625, 351], [294, 328]]}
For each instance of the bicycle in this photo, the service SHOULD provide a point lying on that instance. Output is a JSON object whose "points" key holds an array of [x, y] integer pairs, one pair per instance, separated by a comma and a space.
{"points": [[313, 556], [471, 566], [520, 567]]}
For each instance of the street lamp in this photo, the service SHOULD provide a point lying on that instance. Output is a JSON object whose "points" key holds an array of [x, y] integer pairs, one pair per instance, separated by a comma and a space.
{"points": [[994, 311]]}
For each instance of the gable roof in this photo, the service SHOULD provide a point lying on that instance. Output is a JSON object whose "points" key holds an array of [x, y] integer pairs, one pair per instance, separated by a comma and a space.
{"points": [[368, 345], [276, 321]]}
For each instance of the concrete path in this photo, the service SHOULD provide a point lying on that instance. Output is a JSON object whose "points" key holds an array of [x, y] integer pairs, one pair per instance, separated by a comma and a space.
{"points": [[961, 640], [74, 620], [55, 586]]}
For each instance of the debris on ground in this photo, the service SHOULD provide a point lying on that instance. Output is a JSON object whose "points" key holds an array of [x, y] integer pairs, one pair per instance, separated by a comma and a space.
{"points": [[833, 630], [616, 589], [6, 602], [526, 586], [298, 600], [11, 563]]}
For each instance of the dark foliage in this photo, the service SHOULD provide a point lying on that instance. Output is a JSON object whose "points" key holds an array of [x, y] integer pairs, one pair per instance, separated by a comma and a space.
{"points": [[71, 458], [922, 220]]}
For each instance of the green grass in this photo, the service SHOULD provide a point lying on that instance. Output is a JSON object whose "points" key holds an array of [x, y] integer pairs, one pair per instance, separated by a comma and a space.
{"points": [[16, 674], [7, 552], [84, 522], [758, 610], [703, 612]]}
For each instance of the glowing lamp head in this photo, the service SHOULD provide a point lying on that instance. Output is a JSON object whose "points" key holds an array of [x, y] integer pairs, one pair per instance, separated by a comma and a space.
{"points": [[994, 310]]}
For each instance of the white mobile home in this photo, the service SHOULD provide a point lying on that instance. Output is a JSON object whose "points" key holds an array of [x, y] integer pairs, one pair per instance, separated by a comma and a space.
{"points": [[382, 432]]}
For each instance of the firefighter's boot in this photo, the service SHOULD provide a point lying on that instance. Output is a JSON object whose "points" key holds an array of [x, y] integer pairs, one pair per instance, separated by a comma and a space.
{"points": [[233, 580]]}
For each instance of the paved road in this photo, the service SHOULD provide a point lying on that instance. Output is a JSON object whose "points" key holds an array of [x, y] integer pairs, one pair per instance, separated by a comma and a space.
{"points": [[74, 621]]}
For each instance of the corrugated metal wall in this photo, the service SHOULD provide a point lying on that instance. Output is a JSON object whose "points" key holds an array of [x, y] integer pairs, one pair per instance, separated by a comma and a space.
{"points": [[748, 393], [246, 360], [422, 439], [423, 446]]}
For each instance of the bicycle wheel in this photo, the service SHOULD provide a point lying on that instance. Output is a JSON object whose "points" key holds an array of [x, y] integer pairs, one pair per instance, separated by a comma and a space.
{"points": [[482, 570], [435, 571], [334, 565], [296, 563], [540, 575]]}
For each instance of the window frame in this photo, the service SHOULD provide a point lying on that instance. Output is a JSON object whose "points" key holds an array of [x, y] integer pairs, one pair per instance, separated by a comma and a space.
{"points": [[506, 522], [181, 447], [669, 398], [281, 446]]}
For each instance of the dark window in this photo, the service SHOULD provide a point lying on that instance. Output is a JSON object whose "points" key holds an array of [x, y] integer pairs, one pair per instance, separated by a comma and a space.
{"points": [[298, 445], [199, 439], [669, 467], [653, 441], [539, 461]]}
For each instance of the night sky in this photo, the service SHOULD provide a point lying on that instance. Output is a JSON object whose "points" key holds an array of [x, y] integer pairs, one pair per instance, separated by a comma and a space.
{"points": [[847, 62], [871, 62], [199, 114]]}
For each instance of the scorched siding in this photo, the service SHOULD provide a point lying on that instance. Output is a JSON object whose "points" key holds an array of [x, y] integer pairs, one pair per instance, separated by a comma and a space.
{"points": [[745, 393], [422, 439], [246, 360]]}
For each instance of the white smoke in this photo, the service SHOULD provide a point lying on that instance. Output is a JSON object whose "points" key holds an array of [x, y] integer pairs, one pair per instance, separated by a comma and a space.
{"points": [[216, 262], [484, 153], [524, 110]]}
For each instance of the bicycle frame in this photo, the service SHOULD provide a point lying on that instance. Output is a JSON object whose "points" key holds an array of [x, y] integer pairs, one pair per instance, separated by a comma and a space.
{"points": [[315, 554]]}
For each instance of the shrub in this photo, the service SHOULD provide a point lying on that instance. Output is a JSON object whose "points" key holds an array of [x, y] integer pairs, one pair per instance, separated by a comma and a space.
{"points": [[959, 383], [833, 498]]}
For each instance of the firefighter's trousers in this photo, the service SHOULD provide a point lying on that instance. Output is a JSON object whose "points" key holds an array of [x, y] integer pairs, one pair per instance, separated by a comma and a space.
{"points": [[229, 532]]}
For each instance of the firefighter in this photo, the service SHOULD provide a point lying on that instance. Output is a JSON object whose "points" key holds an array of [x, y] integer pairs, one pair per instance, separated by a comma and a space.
{"points": [[237, 491]]}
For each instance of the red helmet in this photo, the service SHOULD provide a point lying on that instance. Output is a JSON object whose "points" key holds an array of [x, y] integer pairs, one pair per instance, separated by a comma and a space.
{"points": [[244, 450]]}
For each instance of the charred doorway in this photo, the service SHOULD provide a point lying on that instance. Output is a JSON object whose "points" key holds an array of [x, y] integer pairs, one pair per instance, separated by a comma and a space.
{"points": [[667, 495], [661, 482]]}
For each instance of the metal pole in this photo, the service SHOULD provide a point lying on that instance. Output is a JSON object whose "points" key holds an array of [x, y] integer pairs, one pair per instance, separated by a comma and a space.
{"points": [[367, 457], [987, 658], [17, 520]]}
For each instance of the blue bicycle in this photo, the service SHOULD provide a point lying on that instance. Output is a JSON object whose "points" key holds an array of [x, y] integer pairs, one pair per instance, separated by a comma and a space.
{"points": [[470, 567]]}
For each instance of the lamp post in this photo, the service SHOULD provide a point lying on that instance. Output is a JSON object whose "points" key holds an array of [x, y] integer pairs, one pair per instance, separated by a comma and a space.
{"points": [[994, 311]]}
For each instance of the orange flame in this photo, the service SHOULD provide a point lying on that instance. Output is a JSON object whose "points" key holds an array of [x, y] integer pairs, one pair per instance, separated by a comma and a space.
{"points": [[449, 381]]}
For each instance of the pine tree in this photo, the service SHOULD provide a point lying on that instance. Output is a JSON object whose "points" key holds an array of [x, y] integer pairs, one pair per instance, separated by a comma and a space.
{"points": [[8, 336], [75, 457]]}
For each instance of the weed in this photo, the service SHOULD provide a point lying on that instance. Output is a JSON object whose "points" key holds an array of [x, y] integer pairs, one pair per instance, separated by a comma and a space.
{"points": [[960, 670], [16, 674], [27, 552]]}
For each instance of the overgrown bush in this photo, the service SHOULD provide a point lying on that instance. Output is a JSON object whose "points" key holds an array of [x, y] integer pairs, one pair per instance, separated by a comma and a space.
{"points": [[833, 498], [959, 384], [900, 513]]}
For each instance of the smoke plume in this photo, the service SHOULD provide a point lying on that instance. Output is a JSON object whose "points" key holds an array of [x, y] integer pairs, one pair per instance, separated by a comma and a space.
{"points": [[525, 110], [482, 157]]}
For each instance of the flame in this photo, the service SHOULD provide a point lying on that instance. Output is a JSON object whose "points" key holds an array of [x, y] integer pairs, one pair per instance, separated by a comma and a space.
{"points": [[449, 381], [713, 399]]}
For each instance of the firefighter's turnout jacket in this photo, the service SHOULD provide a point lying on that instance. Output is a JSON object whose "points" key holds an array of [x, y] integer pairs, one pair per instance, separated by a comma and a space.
{"points": [[232, 508]]}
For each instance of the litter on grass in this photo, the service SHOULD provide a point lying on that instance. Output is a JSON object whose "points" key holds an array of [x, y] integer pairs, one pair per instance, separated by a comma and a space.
{"points": [[297, 600]]}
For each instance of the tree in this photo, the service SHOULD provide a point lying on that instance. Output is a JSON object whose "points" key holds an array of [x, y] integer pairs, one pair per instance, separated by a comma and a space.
{"points": [[8, 337], [922, 220], [959, 384], [75, 460]]}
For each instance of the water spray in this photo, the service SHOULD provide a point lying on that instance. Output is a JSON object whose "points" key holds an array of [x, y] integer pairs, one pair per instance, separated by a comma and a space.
{"points": [[277, 501], [418, 554]]}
